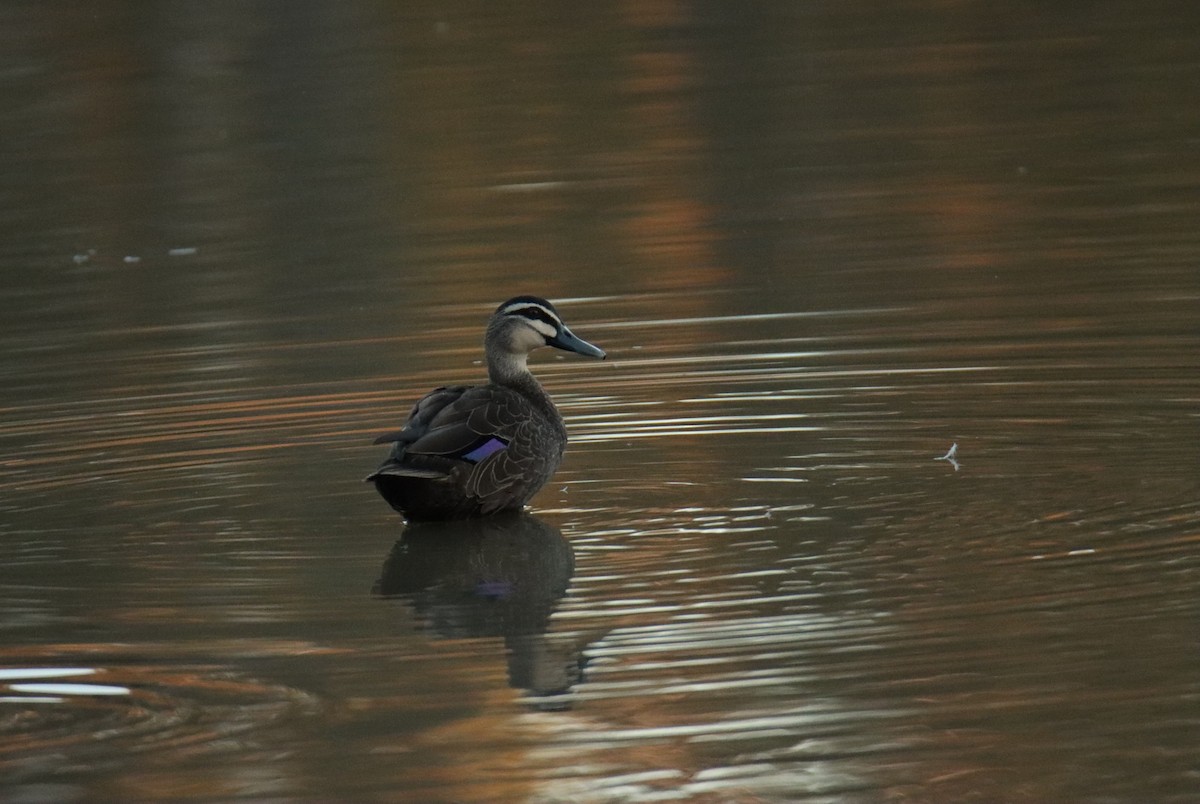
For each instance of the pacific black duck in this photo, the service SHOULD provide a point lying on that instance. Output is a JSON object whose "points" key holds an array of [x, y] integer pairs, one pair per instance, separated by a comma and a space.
{"points": [[470, 451]]}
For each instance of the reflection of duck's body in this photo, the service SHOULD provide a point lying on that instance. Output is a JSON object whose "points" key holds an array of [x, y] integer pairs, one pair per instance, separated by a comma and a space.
{"points": [[474, 450], [500, 576]]}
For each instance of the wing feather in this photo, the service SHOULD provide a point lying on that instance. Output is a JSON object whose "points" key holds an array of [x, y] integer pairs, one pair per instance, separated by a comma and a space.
{"points": [[452, 434], [451, 422]]}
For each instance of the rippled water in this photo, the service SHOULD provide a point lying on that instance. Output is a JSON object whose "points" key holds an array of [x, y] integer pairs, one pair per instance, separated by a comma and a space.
{"points": [[820, 245]]}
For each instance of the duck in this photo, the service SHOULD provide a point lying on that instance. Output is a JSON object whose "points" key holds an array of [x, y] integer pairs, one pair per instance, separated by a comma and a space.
{"points": [[468, 451]]}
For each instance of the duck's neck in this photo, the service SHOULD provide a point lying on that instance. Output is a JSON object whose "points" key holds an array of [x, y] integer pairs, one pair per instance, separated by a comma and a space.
{"points": [[511, 370]]}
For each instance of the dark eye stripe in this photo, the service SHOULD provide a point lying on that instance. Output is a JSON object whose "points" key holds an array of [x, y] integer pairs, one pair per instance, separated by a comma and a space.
{"points": [[536, 313]]}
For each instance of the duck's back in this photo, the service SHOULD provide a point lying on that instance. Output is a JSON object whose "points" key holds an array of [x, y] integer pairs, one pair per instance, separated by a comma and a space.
{"points": [[470, 450]]}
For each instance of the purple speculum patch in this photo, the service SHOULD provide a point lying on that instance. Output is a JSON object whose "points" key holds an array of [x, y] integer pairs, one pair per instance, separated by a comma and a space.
{"points": [[492, 445]]}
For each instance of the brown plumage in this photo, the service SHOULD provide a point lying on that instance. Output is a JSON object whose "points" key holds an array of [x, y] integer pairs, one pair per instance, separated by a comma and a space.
{"points": [[476, 450]]}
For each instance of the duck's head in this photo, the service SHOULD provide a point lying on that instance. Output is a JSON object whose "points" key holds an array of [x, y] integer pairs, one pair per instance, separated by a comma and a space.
{"points": [[525, 323]]}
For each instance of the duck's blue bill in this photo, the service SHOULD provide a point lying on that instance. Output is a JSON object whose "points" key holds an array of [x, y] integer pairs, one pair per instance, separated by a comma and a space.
{"points": [[567, 341]]}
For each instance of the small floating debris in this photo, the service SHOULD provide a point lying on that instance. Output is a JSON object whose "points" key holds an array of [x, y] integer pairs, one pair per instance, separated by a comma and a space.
{"points": [[951, 456], [182, 251], [131, 259], [84, 256], [528, 186]]}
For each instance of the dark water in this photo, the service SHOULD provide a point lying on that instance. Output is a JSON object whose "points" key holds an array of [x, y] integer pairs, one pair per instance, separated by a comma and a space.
{"points": [[821, 242]]}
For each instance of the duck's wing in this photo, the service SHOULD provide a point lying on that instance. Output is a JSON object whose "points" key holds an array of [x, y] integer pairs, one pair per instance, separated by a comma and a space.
{"points": [[423, 414], [451, 426]]}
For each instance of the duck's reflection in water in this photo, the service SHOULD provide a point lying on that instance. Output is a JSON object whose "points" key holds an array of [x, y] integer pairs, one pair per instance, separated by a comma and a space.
{"points": [[500, 576]]}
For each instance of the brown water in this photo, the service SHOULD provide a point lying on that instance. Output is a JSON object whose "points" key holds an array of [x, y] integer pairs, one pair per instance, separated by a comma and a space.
{"points": [[821, 242]]}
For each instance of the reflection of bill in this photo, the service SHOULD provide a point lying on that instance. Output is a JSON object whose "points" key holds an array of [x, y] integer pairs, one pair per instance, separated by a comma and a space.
{"points": [[501, 576]]}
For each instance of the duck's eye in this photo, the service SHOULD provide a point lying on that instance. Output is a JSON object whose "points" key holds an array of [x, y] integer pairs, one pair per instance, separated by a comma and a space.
{"points": [[541, 319]]}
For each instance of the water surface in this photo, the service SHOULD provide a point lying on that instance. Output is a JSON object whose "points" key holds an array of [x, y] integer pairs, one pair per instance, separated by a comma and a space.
{"points": [[820, 244]]}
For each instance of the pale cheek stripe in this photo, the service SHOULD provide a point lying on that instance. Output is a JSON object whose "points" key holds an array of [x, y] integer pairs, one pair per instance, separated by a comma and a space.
{"points": [[492, 445], [545, 329]]}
